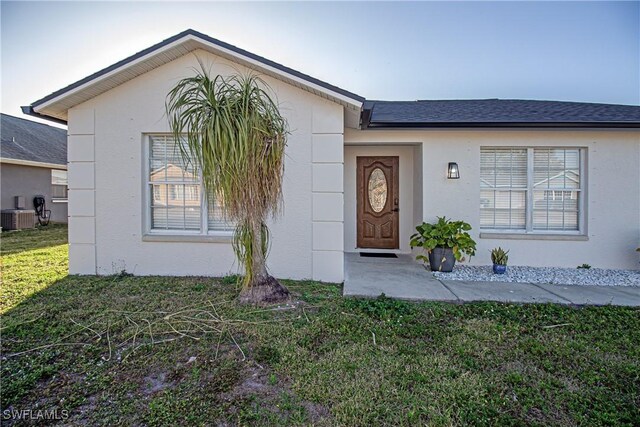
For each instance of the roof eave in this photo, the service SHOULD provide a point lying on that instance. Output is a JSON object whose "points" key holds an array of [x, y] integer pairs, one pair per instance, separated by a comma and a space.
{"points": [[32, 163], [28, 110], [549, 125]]}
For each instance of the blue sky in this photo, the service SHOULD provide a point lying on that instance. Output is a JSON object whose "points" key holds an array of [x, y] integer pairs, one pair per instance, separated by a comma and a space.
{"points": [[574, 51]]}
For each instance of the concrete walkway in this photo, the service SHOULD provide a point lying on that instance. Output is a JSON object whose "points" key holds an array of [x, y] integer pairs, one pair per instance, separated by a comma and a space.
{"points": [[405, 278]]}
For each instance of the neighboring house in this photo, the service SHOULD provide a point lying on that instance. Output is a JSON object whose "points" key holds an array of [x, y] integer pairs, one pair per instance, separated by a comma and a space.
{"points": [[33, 158], [557, 183]]}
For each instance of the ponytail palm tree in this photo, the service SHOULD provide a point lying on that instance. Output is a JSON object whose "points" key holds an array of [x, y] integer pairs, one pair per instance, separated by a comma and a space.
{"points": [[234, 135]]}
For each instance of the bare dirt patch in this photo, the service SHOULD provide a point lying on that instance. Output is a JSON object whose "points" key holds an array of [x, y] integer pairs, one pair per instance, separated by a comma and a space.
{"points": [[154, 383], [274, 396]]}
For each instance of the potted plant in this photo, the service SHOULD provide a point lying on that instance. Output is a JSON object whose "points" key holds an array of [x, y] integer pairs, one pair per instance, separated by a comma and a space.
{"points": [[499, 258], [445, 242]]}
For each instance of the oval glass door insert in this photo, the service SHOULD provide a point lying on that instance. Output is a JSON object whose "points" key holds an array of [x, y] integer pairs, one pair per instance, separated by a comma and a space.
{"points": [[377, 190]]}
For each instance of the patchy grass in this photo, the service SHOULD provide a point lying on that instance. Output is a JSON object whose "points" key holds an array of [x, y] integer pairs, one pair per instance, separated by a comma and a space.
{"points": [[179, 351]]}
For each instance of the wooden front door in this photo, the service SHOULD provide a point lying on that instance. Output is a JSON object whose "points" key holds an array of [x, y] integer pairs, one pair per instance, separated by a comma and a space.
{"points": [[378, 205]]}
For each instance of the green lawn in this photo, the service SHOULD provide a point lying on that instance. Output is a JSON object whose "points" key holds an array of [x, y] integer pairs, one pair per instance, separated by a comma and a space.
{"points": [[31, 261], [179, 351]]}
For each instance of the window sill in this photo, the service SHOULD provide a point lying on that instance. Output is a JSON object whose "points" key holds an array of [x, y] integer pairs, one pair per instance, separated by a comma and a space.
{"points": [[195, 238], [535, 236]]}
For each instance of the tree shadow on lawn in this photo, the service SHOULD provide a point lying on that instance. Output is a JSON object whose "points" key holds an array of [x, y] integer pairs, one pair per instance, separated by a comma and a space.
{"points": [[146, 350]]}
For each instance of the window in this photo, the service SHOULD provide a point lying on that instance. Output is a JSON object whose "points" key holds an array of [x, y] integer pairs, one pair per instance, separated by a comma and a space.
{"points": [[531, 189], [176, 197], [59, 184]]}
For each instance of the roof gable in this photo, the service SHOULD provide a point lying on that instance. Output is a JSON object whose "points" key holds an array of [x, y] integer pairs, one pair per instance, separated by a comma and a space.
{"points": [[56, 105]]}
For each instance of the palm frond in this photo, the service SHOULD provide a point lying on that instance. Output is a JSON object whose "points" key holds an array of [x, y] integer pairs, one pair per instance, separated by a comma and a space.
{"points": [[234, 136]]}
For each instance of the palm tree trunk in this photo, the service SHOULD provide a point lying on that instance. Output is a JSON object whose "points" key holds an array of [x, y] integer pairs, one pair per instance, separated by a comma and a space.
{"points": [[263, 288], [258, 261]]}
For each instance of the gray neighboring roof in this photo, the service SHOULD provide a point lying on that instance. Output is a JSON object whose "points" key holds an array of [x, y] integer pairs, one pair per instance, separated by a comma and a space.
{"points": [[22, 139], [29, 109], [497, 113]]}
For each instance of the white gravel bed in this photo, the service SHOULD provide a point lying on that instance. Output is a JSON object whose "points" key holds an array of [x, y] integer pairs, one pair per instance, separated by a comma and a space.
{"points": [[552, 275]]}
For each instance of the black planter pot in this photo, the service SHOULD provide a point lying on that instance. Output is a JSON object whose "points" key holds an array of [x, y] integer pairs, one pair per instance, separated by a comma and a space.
{"points": [[442, 259]]}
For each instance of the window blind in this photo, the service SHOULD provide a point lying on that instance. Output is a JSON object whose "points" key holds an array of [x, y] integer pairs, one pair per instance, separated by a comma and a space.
{"points": [[556, 188], [175, 187], [503, 183], [176, 192], [530, 189]]}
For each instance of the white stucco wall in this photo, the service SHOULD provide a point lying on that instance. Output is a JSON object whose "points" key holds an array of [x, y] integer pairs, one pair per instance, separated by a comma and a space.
{"points": [[81, 204], [106, 181], [613, 190], [327, 192]]}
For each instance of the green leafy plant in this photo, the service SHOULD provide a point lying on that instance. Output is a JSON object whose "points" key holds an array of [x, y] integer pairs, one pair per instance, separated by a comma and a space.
{"points": [[585, 266], [444, 234], [499, 256]]}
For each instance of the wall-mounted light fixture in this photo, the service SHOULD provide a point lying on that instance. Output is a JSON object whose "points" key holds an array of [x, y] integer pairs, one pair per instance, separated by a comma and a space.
{"points": [[453, 172]]}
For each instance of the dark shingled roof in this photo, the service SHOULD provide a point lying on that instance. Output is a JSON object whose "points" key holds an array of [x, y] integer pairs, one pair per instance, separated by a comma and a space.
{"points": [[497, 113], [26, 140]]}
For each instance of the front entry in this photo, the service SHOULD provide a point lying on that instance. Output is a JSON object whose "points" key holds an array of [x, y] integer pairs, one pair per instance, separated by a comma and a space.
{"points": [[378, 216]]}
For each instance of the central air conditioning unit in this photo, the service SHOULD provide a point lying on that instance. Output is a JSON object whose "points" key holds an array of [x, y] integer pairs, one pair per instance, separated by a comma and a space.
{"points": [[16, 219]]}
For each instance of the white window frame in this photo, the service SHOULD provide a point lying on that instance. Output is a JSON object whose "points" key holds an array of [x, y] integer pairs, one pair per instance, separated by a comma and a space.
{"points": [[59, 199], [151, 234], [528, 231]]}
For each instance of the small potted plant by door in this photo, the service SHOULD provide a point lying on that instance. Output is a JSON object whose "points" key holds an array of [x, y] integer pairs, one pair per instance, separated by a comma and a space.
{"points": [[499, 258], [445, 242]]}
